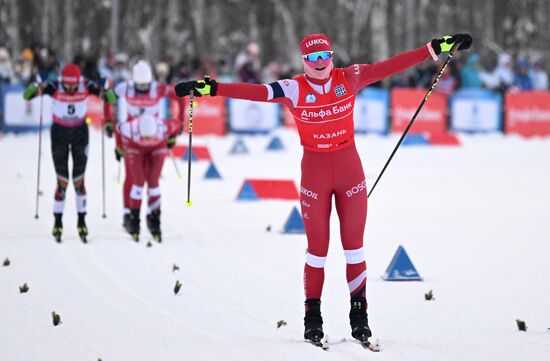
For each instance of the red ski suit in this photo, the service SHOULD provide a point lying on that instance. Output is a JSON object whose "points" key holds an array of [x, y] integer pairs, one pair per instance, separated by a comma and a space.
{"points": [[135, 104], [323, 111], [144, 160]]}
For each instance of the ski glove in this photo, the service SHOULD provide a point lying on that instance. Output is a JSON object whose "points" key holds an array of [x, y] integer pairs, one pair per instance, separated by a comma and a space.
{"points": [[119, 154], [199, 88], [171, 141], [109, 96], [109, 128], [30, 91], [445, 43]]}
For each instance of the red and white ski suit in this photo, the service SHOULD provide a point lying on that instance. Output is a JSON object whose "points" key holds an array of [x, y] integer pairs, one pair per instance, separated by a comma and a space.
{"points": [[323, 111], [143, 160], [132, 104]]}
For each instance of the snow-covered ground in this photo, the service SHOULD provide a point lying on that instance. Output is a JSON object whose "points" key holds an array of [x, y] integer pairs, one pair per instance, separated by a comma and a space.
{"points": [[474, 219]]}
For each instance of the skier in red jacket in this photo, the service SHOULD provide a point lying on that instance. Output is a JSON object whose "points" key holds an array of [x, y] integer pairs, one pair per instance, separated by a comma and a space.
{"points": [[141, 95], [144, 141], [322, 102]]}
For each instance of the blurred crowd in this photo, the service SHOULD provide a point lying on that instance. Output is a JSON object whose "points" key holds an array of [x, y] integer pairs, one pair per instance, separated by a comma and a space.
{"points": [[501, 73]]}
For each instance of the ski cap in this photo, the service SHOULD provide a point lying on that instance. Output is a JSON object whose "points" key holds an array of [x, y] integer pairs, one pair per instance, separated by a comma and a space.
{"points": [[70, 74], [141, 73], [313, 43], [147, 126]]}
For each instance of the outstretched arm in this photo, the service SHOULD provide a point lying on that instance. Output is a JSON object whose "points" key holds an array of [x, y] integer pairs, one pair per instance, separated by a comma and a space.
{"points": [[35, 89], [361, 75], [272, 93]]}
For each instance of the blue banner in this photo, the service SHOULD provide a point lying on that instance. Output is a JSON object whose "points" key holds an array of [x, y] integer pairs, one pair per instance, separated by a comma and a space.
{"points": [[476, 110], [372, 111], [21, 115]]}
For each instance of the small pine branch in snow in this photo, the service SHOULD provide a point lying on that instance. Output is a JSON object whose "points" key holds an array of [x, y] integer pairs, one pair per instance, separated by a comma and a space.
{"points": [[6, 262], [177, 287], [281, 323], [429, 296], [268, 228], [175, 268], [149, 244], [522, 326], [56, 319], [24, 288]]}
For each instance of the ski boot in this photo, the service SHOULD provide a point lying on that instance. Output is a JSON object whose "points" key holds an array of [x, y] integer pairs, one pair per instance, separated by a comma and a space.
{"points": [[126, 222], [57, 227], [82, 228], [134, 224], [358, 319], [153, 223], [313, 322]]}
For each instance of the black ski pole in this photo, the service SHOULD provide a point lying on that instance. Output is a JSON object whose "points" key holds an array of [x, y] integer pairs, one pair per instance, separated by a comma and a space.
{"points": [[175, 164], [103, 164], [39, 154], [432, 87], [189, 150]]}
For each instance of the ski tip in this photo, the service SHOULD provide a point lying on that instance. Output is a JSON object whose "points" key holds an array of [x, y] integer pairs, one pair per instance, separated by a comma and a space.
{"points": [[373, 346], [319, 344]]}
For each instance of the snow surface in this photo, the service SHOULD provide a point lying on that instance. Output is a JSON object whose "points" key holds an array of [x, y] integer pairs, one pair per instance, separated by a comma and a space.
{"points": [[474, 219]]}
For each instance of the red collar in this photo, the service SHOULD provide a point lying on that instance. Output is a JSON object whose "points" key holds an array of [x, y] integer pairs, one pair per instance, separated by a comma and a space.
{"points": [[320, 82]]}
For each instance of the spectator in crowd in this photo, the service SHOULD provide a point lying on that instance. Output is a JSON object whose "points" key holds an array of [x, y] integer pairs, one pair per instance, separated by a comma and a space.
{"points": [[162, 71], [522, 80], [470, 76], [6, 77], [504, 72], [271, 72], [489, 76], [247, 64], [48, 66], [539, 75], [6, 70], [204, 66], [106, 66], [424, 74], [225, 71], [24, 69], [182, 72], [120, 70], [403, 80], [447, 83], [171, 69]]}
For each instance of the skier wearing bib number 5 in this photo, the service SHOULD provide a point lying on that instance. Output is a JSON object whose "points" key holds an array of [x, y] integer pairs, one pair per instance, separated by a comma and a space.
{"points": [[69, 134], [322, 103]]}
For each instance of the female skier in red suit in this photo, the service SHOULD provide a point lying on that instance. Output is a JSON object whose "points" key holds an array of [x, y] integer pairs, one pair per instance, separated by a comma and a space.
{"points": [[322, 102]]}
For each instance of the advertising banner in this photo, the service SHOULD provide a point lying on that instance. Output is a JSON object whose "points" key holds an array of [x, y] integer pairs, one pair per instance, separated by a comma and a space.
{"points": [[527, 113], [476, 110], [431, 119], [371, 113], [21, 115], [253, 117], [209, 116]]}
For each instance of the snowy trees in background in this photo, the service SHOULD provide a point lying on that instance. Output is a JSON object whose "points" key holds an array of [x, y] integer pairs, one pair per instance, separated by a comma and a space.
{"points": [[361, 29]]}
